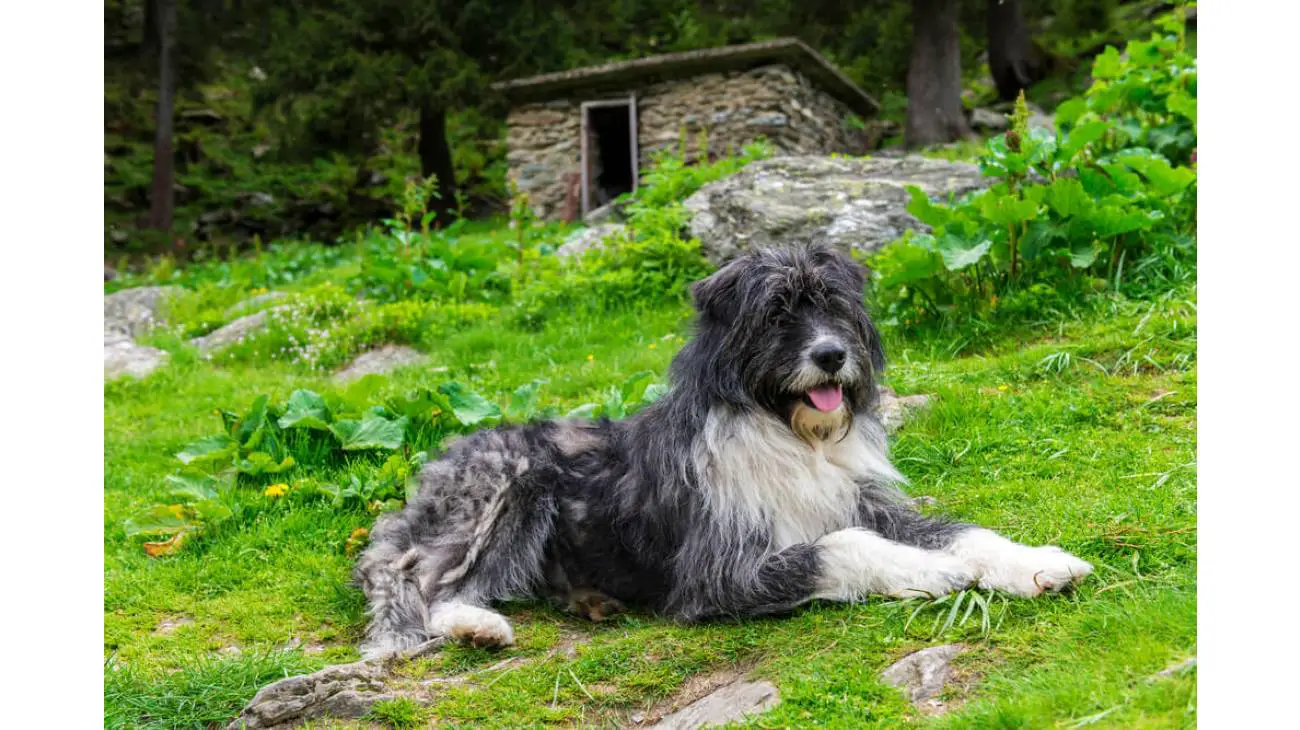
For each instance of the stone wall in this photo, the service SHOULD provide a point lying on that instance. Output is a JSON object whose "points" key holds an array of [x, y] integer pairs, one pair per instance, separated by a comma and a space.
{"points": [[728, 110]]}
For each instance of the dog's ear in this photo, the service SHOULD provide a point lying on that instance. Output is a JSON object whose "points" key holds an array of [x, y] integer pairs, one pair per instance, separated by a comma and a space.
{"points": [[718, 295], [842, 266]]}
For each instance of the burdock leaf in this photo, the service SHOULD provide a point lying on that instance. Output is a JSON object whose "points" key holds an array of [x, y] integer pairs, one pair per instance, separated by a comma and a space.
{"points": [[305, 409], [373, 432], [208, 450], [470, 407]]}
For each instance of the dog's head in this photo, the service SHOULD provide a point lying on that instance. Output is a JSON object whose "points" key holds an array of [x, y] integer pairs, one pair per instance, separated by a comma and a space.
{"points": [[787, 330]]}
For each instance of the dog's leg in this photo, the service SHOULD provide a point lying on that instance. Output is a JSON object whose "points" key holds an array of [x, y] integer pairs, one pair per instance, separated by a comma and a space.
{"points": [[997, 562], [1021, 570], [593, 605], [856, 562]]}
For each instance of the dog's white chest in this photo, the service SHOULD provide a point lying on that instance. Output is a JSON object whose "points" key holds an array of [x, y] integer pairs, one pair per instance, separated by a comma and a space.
{"points": [[756, 472]]}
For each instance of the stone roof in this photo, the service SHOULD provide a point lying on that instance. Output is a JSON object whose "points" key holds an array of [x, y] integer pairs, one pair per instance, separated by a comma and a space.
{"points": [[791, 51]]}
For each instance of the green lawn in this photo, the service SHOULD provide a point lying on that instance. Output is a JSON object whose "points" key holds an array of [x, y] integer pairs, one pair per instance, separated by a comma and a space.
{"points": [[1079, 432]]}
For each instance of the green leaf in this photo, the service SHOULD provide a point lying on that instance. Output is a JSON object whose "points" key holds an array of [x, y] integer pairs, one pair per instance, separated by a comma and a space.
{"points": [[1004, 209], [1070, 111], [1067, 198], [372, 432], [1180, 102], [162, 519], [613, 405], [211, 511], [260, 462], [654, 392], [192, 488], [470, 407], [1108, 65], [586, 411], [1082, 136], [208, 450], [421, 404], [904, 262], [956, 258], [634, 386], [1039, 237], [925, 211], [1163, 178], [249, 430], [1084, 255], [523, 402], [1110, 220], [305, 409]]}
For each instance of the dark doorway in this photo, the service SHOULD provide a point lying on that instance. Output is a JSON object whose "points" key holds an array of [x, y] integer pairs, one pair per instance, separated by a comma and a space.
{"points": [[609, 151]]}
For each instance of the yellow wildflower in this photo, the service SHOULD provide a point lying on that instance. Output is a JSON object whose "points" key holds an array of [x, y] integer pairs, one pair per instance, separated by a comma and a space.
{"points": [[590, 358], [276, 490], [1002, 387], [653, 345]]}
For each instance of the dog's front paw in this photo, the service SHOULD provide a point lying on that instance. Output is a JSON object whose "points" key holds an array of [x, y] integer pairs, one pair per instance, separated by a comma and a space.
{"points": [[1032, 571]]}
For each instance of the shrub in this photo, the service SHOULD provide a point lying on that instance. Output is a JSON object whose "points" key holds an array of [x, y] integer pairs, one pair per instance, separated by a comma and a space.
{"points": [[1072, 213], [1147, 95]]}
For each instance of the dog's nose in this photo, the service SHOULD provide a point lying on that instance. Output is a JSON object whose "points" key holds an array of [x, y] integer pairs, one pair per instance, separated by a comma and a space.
{"points": [[829, 357]]}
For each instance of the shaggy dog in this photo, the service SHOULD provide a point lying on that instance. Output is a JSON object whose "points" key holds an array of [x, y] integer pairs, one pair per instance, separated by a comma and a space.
{"points": [[759, 482]]}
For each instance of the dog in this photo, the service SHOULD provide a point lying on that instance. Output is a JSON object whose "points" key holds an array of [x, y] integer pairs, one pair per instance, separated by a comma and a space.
{"points": [[759, 482]]}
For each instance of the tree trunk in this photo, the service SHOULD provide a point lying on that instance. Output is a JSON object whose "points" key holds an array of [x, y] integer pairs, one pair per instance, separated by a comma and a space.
{"points": [[934, 113], [435, 159], [160, 194], [1010, 60]]}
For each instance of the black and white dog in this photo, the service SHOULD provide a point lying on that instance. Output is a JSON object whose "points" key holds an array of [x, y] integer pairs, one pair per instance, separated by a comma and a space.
{"points": [[759, 482]]}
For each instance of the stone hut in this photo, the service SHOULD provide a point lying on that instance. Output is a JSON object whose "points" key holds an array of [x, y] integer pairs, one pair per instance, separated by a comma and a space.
{"points": [[578, 139]]}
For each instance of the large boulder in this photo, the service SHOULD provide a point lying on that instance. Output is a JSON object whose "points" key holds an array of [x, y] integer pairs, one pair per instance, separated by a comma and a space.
{"points": [[855, 204], [122, 356], [134, 311], [127, 314]]}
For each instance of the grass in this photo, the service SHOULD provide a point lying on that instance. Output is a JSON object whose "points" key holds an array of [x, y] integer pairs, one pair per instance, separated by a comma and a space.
{"points": [[1078, 430]]}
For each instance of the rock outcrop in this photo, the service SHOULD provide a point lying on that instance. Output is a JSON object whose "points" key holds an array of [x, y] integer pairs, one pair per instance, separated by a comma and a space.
{"points": [[855, 204]]}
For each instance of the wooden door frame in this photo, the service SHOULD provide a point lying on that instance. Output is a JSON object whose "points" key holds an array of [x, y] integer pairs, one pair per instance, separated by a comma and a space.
{"points": [[630, 103]]}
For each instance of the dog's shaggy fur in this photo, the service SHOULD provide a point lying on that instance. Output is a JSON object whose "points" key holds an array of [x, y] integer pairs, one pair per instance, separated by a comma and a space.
{"points": [[759, 482]]}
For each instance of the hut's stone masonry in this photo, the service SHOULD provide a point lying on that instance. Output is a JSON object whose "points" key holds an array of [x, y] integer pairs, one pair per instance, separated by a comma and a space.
{"points": [[720, 111]]}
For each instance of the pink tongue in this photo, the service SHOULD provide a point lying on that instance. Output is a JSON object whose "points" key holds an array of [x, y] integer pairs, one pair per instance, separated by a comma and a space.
{"points": [[826, 399]]}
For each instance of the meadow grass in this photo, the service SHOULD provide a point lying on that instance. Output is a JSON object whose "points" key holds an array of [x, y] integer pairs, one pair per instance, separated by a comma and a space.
{"points": [[1078, 431]]}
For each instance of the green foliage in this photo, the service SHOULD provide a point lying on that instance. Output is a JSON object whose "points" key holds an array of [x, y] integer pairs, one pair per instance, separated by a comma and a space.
{"points": [[272, 442], [1073, 212], [400, 713], [651, 262], [1146, 96]]}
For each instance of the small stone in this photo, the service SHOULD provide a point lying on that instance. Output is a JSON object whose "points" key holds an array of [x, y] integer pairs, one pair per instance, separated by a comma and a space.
{"points": [[923, 674], [383, 360], [730, 703], [123, 357], [252, 303], [988, 120], [1175, 669], [224, 337], [768, 120], [342, 691], [169, 625], [585, 239], [894, 410]]}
